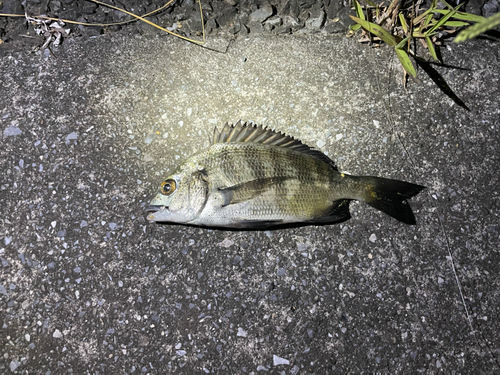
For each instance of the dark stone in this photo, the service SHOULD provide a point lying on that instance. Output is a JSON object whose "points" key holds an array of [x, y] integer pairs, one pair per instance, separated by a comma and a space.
{"points": [[226, 17], [12, 7], [235, 29], [283, 30], [304, 16], [55, 6], [211, 25], [88, 7], [333, 9]]}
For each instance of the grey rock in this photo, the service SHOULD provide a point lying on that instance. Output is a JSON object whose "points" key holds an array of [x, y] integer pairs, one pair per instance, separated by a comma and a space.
{"points": [[292, 23], [283, 30], [274, 21], [227, 16], [490, 8], [88, 7], [316, 21], [333, 9], [235, 29], [262, 14]]}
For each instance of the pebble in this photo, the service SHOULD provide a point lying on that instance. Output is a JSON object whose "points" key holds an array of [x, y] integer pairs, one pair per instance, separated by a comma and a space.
{"points": [[11, 130], [320, 143], [14, 365], [373, 237], [150, 138], [71, 136], [280, 361], [241, 332], [226, 243], [57, 334]]}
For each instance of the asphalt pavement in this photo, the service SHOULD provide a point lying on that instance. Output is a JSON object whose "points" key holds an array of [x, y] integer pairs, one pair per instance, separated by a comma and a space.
{"points": [[88, 286]]}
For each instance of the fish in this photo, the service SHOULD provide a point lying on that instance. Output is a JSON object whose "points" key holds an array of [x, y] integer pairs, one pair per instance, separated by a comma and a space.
{"points": [[252, 177]]}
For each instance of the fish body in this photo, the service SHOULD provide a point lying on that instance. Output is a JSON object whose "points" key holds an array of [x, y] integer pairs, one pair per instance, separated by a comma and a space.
{"points": [[253, 177]]}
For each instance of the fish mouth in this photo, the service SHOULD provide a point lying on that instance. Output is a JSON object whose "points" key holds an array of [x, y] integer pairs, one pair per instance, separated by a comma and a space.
{"points": [[151, 210], [154, 208]]}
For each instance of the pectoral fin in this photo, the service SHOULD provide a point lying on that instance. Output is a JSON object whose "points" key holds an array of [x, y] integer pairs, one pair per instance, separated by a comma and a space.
{"points": [[248, 190]]}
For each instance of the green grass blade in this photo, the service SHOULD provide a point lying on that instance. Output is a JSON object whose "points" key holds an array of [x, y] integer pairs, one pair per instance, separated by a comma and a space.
{"points": [[430, 45], [376, 30], [462, 16], [359, 10], [403, 22], [406, 62], [443, 20], [478, 28], [456, 24], [402, 44]]}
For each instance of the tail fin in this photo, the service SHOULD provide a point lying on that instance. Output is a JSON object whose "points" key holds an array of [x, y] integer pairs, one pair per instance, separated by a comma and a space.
{"points": [[390, 197]]}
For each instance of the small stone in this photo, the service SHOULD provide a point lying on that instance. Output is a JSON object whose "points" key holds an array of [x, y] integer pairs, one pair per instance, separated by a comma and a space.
{"points": [[14, 365], [57, 334], [280, 361], [150, 138], [373, 237], [320, 143], [226, 243], [11, 130], [71, 136], [3, 290], [241, 332]]}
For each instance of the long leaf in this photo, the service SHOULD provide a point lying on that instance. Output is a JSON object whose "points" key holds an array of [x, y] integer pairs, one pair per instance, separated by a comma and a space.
{"points": [[442, 20], [403, 22], [462, 16], [430, 45], [377, 31], [359, 10], [406, 62], [478, 28], [456, 24]]}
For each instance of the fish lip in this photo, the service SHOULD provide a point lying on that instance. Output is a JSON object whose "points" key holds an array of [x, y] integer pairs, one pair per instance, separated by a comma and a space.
{"points": [[154, 208]]}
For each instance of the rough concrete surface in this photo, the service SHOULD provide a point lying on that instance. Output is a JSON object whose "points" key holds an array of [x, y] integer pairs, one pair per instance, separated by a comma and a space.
{"points": [[88, 286]]}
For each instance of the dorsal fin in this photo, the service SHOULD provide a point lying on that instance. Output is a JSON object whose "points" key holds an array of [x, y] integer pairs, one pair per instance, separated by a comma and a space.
{"points": [[252, 133]]}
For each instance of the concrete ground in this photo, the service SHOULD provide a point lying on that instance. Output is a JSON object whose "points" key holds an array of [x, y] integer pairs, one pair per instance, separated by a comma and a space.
{"points": [[88, 286]]}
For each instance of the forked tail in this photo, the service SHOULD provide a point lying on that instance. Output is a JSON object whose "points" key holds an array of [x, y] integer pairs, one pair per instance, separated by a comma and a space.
{"points": [[390, 196]]}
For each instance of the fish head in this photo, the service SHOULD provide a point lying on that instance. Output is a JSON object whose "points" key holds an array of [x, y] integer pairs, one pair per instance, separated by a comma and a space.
{"points": [[181, 198]]}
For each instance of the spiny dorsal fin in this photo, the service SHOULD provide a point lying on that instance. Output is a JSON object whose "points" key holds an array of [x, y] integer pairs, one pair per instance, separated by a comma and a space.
{"points": [[252, 133]]}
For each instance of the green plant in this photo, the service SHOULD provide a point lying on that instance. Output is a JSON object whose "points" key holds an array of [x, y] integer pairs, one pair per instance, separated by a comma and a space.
{"points": [[399, 27]]}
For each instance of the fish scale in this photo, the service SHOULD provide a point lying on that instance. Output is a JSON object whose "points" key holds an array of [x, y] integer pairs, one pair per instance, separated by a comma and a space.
{"points": [[254, 177]]}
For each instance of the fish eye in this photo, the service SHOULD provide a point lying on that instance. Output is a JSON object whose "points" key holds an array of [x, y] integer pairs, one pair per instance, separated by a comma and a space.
{"points": [[167, 187]]}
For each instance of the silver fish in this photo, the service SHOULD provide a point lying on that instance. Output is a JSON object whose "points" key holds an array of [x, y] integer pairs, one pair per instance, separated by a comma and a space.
{"points": [[254, 177]]}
